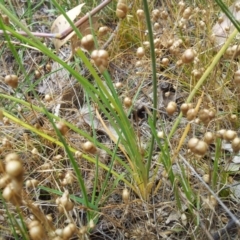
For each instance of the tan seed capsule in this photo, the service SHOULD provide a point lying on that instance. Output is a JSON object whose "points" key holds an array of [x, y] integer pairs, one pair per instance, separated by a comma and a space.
{"points": [[87, 42], [125, 195], [188, 56], [140, 52], [103, 30], [36, 232], [14, 168], [192, 143], [122, 10], [191, 114], [208, 137], [89, 147], [236, 144], [229, 135], [37, 74], [201, 148], [206, 178], [127, 102], [171, 108], [221, 133], [140, 14], [11, 80], [62, 127]]}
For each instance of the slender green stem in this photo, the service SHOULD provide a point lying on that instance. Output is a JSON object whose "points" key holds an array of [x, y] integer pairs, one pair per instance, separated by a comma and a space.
{"points": [[154, 81]]}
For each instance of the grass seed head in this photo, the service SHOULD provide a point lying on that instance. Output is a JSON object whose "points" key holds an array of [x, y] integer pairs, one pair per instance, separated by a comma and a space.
{"points": [[68, 231]]}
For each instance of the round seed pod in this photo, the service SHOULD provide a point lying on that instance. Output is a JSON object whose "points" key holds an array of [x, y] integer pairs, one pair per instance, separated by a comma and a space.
{"points": [[206, 178], [203, 115], [37, 74], [62, 127], [68, 231], [87, 42], [14, 168], [122, 9], [103, 30], [237, 76], [125, 195], [11, 80], [220, 133], [127, 102], [192, 143], [140, 52], [191, 114], [187, 13], [8, 193], [165, 62], [185, 107], [48, 97], [229, 135], [201, 148], [188, 56], [12, 157], [89, 147], [208, 137], [171, 108], [140, 14], [236, 144], [36, 232]]}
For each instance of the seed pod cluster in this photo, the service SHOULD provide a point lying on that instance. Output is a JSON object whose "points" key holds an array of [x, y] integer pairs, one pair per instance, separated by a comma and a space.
{"points": [[12, 179], [122, 9], [65, 233], [64, 202], [185, 107], [100, 58], [206, 115], [68, 179], [197, 146]]}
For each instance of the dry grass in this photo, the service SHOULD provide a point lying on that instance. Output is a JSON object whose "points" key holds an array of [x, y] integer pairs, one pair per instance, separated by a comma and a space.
{"points": [[179, 209]]}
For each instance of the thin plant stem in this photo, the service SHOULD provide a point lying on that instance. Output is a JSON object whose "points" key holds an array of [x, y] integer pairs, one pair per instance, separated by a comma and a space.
{"points": [[154, 79]]}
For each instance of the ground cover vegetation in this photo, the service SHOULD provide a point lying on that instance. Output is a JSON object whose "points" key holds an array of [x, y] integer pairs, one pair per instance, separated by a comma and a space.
{"points": [[119, 119]]}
